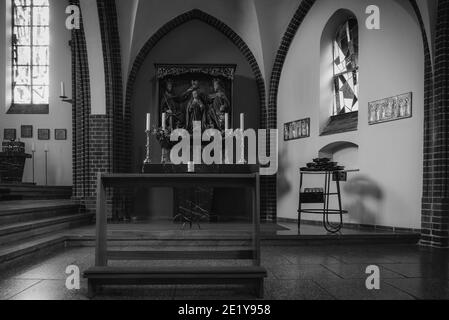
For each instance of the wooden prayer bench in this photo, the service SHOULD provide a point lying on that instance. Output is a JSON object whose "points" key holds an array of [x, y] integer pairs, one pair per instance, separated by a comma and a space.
{"points": [[101, 276]]}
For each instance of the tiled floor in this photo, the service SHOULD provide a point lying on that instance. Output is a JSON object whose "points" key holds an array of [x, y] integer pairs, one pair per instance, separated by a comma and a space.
{"points": [[294, 273]]}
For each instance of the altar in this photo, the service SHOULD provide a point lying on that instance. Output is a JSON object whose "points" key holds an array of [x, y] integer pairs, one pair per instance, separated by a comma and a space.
{"points": [[102, 274]]}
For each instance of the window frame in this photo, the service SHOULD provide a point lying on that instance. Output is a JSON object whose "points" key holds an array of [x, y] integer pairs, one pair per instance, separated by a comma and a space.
{"points": [[27, 108], [335, 75]]}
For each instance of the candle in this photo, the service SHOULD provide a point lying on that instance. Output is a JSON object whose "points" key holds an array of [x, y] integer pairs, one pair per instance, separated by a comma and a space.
{"points": [[227, 121], [242, 121], [148, 122], [46, 147], [62, 89], [191, 166], [164, 120], [33, 147]]}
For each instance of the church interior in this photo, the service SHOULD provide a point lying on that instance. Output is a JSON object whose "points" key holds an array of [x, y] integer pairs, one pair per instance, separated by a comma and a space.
{"points": [[341, 164]]}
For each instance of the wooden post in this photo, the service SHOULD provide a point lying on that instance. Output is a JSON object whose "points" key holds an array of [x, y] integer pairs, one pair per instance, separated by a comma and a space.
{"points": [[101, 241]]}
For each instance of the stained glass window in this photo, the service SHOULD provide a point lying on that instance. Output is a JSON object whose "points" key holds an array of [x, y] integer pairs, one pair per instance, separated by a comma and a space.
{"points": [[346, 69], [30, 45]]}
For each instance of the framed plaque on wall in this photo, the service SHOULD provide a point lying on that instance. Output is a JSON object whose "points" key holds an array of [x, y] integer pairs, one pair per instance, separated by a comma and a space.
{"points": [[26, 132], [390, 109], [297, 129], [43, 134], [10, 134], [60, 134]]}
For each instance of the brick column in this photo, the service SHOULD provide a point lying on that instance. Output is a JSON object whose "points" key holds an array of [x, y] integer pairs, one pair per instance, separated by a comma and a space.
{"points": [[80, 112], [435, 214]]}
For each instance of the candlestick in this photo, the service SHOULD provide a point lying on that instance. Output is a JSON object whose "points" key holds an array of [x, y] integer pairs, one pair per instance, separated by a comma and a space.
{"points": [[46, 164], [242, 140], [148, 122], [148, 156], [227, 121], [33, 147], [33, 151]]}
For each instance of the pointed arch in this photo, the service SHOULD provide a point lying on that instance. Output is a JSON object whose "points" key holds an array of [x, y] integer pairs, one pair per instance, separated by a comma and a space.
{"points": [[196, 14]]}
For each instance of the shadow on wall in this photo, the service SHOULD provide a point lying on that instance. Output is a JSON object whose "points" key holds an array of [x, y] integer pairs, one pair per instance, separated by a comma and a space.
{"points": [[284, 185], [367, 199]]}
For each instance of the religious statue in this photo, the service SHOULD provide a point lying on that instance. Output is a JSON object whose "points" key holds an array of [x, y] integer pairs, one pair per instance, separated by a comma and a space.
{"points": [[170, 104], [219, 105], [196, 111]]}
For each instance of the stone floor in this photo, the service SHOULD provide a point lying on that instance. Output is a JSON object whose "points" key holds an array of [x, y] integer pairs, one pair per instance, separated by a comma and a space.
{"points": [[294, 273]]}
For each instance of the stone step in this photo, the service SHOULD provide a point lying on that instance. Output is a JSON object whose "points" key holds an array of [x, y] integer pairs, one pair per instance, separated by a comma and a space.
{"points": [[32, 192], [9, 197], [13, 212], [25, 250], [27, 230]]}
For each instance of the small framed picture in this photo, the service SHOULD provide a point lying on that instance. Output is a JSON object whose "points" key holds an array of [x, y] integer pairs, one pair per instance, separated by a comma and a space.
{"points": [[390, 109], [43, 134], [297, 130], [60, 134], [10, 134], [26, 132]]}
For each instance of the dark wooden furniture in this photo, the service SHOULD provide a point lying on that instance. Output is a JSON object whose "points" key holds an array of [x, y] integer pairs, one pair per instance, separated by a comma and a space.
{"points": [[102, 274], [323, 198], [12, 166]]}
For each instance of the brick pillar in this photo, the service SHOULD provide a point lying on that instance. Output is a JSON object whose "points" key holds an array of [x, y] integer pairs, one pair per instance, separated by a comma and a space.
{"points": [[80, 112], [435, 215], [117, 154], [96, 137]]}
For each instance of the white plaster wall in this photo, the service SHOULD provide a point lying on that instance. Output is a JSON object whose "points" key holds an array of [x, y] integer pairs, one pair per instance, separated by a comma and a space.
{"points": [[60, 117], [240, 15], [94, 45], [390, 154]]}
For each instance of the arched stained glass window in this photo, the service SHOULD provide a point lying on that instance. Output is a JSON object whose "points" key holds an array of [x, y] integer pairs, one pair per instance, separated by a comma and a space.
{"points": [[346, 69], [30, 52]]}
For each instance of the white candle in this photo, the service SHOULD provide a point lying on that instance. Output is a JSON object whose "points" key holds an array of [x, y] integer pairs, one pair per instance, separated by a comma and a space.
{"points": [[242, 121], [164, 120], [62, 89], [191, 166], [148, 122], [33, 147], [227, 121], [46, 147]]}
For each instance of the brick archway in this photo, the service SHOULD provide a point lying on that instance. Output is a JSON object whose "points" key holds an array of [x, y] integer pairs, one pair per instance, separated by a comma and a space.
{"points": [[430, 206], [196, 14]]}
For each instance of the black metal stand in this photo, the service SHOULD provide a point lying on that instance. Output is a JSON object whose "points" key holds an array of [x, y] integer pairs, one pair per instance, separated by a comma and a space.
{"points": [[323, 198]]}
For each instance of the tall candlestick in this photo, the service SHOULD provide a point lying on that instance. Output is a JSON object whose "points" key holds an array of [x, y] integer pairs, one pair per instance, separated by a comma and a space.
{"points": [[62, 89], [227, 121], [148, 122], [242, 121], [33, 151], [46, 164], [164, 120], [242, 141], [148, 154]]}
